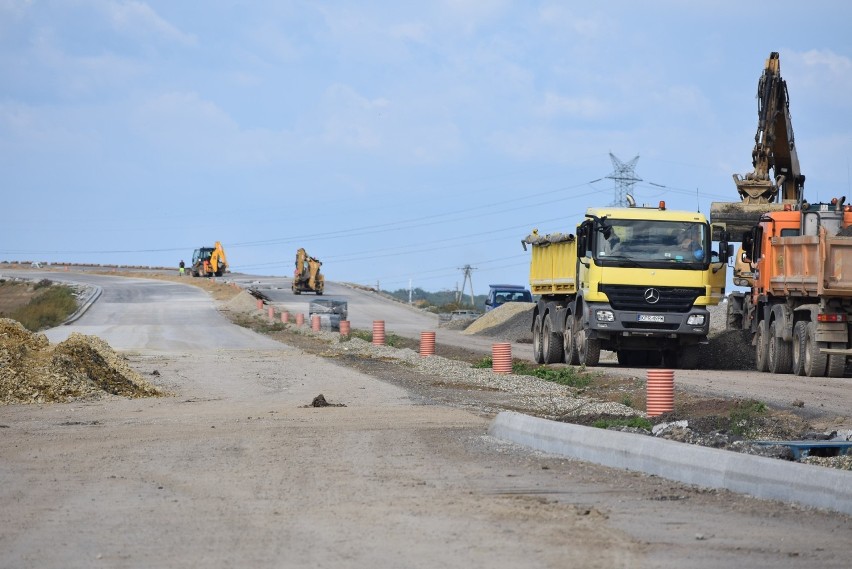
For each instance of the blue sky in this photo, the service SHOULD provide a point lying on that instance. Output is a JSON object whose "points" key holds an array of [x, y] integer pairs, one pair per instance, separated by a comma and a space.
{"points": [[395, 141]]}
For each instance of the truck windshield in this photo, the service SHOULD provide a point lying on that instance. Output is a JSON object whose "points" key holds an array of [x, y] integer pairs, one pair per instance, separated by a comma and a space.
{"points": [[639, 242]]}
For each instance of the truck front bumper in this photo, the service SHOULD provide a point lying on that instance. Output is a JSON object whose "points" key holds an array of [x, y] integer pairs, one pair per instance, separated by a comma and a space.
{"points": [[606, 322]]}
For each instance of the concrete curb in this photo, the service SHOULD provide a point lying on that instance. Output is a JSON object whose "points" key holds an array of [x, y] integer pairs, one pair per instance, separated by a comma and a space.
{"points": [[94, 293], [757, 476]]}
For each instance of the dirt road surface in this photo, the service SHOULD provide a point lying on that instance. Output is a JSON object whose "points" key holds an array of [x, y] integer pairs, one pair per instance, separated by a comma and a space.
{"points": [[233, 470]]}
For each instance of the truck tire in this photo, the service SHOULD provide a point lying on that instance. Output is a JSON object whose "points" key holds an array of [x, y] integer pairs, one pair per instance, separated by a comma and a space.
{"points": [[836, 366], [733, 318], [814, 360], [538, 354], [551, 347], [779, 355], [569, 342], [761, 347], [800, 332], [589, 351], [297, 291]]}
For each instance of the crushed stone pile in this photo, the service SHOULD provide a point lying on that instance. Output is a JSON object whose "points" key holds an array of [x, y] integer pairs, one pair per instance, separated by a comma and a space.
{"points": [[82, 367], [510, 321], [243, 302]]}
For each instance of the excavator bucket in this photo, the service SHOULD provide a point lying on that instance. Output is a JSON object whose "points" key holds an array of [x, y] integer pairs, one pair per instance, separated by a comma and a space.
{"points": [[737, 218]]}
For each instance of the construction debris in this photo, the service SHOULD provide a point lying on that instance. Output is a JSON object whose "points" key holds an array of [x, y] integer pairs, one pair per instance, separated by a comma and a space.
{"points": [[320, 401], [81, 367]]}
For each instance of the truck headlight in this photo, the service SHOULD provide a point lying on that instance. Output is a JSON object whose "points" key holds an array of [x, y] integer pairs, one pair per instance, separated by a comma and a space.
{"points": [[605, 316], [695, 320]]}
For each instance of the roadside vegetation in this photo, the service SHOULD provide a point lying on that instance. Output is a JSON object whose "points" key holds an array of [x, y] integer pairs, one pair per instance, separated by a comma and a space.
{"points": [[576, 377], [37, 306]]}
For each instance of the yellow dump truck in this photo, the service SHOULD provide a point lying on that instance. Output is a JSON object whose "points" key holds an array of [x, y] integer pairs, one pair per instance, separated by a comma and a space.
{"points": [[636, 281]]}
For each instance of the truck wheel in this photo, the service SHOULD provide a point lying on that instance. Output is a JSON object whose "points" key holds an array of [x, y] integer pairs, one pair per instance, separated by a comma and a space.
{"points": [[538, 354], [815, 361], [297, 291], [589, 350], [551, 342], [733, 319], [779, 355], [569, 342], [800, 332], [836, 362], [761, 347]]}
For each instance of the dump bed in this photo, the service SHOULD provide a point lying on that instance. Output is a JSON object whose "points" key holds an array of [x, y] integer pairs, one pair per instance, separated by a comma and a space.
{"points": [[810, 265], [553, 267]]}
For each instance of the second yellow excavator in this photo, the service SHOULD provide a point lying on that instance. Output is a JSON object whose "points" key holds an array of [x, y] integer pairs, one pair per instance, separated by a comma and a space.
{"points": [[307, 277]]}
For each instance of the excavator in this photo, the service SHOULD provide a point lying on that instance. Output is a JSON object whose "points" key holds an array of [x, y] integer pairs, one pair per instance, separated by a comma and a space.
{"points": [[775, 150], [209, 261], [307, 277]]}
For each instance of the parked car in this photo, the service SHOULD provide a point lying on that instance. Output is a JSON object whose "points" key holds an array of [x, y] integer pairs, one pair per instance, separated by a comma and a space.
{"points": [[502, 293]]}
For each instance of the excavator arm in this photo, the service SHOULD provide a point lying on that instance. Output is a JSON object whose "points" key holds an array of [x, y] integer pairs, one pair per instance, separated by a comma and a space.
{"points": [[774, 150], [217, 259]]}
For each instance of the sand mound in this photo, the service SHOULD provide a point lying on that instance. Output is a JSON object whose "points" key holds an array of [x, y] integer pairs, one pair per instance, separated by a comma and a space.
{"points": [[243, 302], [81, 367], [498, 316]]}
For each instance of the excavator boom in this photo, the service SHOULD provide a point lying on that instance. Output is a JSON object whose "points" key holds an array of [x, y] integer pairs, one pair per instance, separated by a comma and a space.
{"points": [[775, 151]]}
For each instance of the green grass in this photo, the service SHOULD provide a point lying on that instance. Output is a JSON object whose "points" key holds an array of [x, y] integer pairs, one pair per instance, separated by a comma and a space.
{"points": [[745, 415], [635, 422], [49, 308], [568, 375], [391, 339], [261, 325]]}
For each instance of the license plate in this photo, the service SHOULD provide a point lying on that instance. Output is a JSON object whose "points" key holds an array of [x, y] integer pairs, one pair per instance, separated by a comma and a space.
{"points": [[652, 318]]}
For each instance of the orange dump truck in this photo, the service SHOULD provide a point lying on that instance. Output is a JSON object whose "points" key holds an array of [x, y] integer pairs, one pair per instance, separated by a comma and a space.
{"points": [[799, 307]]}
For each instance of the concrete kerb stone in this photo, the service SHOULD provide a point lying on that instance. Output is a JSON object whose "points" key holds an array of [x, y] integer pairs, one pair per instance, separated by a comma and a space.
{"points": [[761, 477], [93, 292]]}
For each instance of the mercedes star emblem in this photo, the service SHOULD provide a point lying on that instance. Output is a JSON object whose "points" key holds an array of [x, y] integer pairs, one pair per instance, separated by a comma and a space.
{"points": [[652, 296]]}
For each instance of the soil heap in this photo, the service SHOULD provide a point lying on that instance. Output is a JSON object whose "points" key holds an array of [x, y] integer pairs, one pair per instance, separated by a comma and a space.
{"points": [[81, 367]]}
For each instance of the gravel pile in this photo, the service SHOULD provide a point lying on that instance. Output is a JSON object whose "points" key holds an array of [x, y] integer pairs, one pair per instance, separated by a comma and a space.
{"points": [[81, 367]]}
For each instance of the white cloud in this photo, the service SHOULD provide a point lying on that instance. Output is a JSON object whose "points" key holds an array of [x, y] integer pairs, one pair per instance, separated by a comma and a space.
{"points": [[556, 106], [133, 17], [185, 126], [351, 120], [561, 17]]}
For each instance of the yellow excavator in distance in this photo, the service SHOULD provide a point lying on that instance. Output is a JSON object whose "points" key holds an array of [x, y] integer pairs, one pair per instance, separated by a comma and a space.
{"points": [[774, 149], [307, 277], [209, 261]]}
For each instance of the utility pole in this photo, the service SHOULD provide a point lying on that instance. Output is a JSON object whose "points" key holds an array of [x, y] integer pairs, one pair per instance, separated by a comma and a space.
{"points": [[409, 291], [467, 279]]}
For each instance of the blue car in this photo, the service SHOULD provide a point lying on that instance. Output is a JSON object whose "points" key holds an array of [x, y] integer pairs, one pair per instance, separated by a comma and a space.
{"points": [[501, 294]]}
